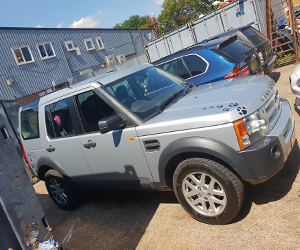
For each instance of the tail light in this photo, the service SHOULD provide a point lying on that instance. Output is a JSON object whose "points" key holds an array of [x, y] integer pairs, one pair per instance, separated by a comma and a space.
{"points": [[238, 72], [23, 150]]}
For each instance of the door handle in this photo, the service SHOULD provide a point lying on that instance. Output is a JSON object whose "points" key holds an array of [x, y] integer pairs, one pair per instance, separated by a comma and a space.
{"points": [[90, 144], [50, 149]]}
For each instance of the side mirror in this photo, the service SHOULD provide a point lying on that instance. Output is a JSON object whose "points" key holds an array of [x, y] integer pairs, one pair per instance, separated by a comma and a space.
{"points": [[111, 123]]}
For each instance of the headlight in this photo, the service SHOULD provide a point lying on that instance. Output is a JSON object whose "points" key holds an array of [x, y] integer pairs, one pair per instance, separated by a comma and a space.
{"points": [[250, 129]]}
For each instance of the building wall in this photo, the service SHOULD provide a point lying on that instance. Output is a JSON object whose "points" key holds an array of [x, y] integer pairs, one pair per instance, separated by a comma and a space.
{"points": [[39, 75]]}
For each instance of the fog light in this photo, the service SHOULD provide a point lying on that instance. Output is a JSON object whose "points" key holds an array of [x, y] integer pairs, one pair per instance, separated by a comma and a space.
{"points": [[275, 152]]}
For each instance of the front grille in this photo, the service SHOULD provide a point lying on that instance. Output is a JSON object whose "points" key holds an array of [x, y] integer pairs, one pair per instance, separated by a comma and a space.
{"points": [[151, 145], [272, 110]]}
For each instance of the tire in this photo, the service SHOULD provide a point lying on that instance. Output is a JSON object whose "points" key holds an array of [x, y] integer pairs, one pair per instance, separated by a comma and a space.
{"points": [[60, 191], [208, 191]]}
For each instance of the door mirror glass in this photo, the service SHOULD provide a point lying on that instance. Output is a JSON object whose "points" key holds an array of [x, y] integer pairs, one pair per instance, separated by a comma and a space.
{"points": [[111, 123]]}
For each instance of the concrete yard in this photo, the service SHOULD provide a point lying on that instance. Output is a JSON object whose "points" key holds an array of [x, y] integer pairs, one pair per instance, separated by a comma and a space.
{"points": [[269, 219]]}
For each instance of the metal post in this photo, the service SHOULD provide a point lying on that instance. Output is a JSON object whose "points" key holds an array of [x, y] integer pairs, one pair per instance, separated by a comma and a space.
{"points": [[293, 27], [266, 19], [141, 35]]}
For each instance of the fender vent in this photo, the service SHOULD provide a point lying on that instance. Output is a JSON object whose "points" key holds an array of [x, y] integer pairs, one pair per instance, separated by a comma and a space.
{"points": [[151, 145]]}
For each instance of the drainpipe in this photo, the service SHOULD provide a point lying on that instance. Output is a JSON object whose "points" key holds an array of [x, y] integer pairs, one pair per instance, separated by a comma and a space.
{"points": [[62, 47]]}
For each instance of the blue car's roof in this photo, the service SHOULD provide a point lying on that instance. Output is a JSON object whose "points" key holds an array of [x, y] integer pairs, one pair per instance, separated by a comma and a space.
{"points": [[193, 49]]}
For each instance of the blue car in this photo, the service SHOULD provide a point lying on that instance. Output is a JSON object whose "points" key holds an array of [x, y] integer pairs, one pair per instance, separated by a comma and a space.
{"points": [[214, 60]]}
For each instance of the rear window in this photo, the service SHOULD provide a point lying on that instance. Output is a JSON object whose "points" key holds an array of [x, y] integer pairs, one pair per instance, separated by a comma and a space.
{"points": [[30, 123], [254, 36], [234, 52]]}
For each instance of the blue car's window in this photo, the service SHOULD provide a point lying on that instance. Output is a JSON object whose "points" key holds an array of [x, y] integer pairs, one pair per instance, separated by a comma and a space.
{"points": [[234, 52], [176, 67], [196, 65], [254, 36]]}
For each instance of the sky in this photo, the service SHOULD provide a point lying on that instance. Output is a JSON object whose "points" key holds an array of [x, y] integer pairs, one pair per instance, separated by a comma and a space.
{"points": [[73, 14]]}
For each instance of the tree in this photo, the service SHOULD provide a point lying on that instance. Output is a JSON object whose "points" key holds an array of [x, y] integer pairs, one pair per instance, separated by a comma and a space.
{"points": [[151, 23], [179, 12], [132, 22]]}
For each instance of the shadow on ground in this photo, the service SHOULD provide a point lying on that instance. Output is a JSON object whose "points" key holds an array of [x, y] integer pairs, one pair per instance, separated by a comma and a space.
{"points": [[108, 219], [275, 76], [275, 188]]}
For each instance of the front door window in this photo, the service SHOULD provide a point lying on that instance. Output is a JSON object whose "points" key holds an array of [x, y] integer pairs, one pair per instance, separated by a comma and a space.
{"points": [[92, 110]]}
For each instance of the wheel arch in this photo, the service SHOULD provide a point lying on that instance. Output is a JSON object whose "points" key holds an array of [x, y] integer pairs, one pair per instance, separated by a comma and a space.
{"points": [[45, 163], [184, 148]]}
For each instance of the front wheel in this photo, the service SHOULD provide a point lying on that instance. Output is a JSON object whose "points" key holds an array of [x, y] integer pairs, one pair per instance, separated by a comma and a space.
{"points": [[60, 191], [208, 191]]}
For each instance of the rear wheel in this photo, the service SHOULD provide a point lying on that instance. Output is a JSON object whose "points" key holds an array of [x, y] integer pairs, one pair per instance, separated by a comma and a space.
{"points": [[208, 191], [60, 191]]}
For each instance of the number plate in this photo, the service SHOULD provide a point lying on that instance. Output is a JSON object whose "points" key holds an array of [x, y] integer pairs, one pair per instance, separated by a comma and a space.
{"points": [[254, 65], [268, 50]]}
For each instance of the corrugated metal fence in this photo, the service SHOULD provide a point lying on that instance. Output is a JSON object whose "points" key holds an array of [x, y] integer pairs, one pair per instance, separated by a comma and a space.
{"points": [[234, 15]]}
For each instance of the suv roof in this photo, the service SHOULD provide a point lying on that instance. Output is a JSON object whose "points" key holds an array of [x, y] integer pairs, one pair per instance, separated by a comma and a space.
{"points": [[94, 81]]}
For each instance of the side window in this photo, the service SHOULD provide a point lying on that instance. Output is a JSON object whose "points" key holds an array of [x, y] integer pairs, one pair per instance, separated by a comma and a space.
{"points": [[30, 124], [195, 64], [176, 67], [169, 66], [58, 119], [92, 109]]}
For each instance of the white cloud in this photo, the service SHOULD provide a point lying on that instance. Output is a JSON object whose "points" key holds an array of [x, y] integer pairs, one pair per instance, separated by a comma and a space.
{"points": [[85, 22], [159, 2], [59, 25], [99, 12], [39, 26]]}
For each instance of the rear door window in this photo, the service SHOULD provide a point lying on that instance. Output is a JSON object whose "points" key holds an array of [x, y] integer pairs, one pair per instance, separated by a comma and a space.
{"points": [[176, 67], [58, 119], [30, 123], [195, 64]]}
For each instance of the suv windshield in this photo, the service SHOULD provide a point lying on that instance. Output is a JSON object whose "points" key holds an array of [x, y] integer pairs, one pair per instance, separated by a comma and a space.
{"points": [[147, 92]]}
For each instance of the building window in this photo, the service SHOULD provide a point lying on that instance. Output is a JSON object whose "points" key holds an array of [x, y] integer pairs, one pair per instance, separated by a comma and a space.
{"points": [[69, 45], [89, 44], [46, 50], [22, 55], [99, 42]]}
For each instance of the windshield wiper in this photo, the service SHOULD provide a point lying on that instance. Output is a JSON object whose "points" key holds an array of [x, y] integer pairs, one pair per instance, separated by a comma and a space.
{"points": [[162, 106]]}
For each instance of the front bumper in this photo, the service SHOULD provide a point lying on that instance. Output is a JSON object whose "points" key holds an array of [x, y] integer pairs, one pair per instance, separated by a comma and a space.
{"points": [[267, 156], [271, 64]]}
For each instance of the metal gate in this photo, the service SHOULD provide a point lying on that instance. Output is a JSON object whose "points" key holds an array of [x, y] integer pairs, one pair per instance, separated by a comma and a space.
{"points": [[22, 220], [234, 15]]}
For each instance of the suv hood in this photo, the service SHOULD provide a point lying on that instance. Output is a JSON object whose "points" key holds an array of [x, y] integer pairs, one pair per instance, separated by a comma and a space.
{"points": [[212, 104]]}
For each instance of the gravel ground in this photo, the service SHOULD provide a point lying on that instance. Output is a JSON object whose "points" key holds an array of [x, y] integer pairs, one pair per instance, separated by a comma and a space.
{"points": [[269, 218]]}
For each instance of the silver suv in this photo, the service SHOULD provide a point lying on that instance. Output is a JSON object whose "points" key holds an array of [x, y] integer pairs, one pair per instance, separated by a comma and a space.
{"points": [[143, 128]]}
